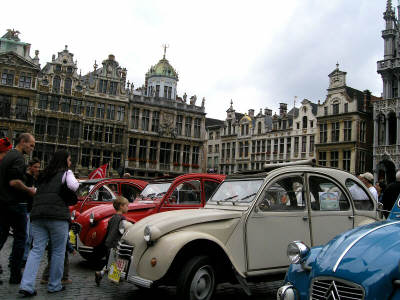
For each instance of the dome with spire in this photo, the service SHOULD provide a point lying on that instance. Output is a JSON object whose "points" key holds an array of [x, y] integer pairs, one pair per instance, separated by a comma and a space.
{"points": [[163, 68]]}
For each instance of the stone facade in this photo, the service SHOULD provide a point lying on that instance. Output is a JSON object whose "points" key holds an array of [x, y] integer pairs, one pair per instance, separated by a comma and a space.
{"points": [[99, 117], [248, 141], [344, 119], [386, 111]]}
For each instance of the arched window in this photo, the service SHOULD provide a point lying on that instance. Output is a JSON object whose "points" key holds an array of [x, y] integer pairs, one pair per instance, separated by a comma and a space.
{"points": [[392, 128], [305, 122], [56, 84], [67, 86], [381, 129]]}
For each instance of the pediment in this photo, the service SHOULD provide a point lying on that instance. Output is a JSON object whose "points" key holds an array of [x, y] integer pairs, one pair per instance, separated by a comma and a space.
{"points": [[13, 59]]}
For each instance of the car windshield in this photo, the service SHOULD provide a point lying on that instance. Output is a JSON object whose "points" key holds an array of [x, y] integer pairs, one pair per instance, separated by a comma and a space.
{"points": [[236, 191], [84, 189], [154, 191]]}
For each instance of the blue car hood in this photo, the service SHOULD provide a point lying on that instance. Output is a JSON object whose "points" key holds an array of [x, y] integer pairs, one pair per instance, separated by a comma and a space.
{"points": [[365, 255]]}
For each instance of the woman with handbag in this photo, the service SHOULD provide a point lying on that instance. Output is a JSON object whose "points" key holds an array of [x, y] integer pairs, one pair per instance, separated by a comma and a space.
{"points": [[50, 219]]}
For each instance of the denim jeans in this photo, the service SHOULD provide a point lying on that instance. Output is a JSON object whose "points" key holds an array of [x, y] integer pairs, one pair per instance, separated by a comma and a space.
{"points": [[29, 238], [42, 231], [14, 217]]}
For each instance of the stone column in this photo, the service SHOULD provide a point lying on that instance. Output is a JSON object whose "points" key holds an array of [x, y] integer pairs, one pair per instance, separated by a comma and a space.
{"points": [[398, 130], [140, 119], [386, 130]]}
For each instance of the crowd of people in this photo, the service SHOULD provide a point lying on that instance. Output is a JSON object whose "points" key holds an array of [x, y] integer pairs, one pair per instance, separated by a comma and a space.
{"points": [[384, 194], [35, 206]]}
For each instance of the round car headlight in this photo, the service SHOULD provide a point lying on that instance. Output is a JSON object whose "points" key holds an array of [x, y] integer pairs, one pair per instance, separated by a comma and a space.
{"points": [[91, 219], [297, 251], [147, 234], [287, 292], [73, 215]]}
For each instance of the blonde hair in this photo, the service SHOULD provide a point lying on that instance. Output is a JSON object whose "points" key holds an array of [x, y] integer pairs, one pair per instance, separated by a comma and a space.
{"points": [[119, 201]]}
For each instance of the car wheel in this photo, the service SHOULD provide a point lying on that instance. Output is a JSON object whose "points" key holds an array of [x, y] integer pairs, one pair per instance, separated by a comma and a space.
{"points": [[196, 280], [96, 256]]}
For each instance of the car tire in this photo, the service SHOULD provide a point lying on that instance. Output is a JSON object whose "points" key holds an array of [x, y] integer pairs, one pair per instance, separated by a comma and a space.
{"points": [[197, 280], [96, 256]]}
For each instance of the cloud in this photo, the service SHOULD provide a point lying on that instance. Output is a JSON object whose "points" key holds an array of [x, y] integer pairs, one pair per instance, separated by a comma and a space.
{"points": [[258, 53]]}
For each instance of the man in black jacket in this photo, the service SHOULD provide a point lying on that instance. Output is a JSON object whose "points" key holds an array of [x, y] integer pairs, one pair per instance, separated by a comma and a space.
{"points": [[13, 194], [390, 194]]}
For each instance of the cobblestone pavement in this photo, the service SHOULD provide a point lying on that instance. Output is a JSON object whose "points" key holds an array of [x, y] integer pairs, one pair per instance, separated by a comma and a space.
{"points": [[84, 288]]}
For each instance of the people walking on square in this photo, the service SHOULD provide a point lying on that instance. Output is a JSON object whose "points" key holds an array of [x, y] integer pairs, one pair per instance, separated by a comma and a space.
{"points": [[368, 180], [13, 195], [391, 194], [113, 234], [65, 278], [50, 221], [32, 174]]}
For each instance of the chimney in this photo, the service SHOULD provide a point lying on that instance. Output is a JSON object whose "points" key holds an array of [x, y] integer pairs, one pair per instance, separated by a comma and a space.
{"points": [[282, 109], [268, 112], [251, 112]]}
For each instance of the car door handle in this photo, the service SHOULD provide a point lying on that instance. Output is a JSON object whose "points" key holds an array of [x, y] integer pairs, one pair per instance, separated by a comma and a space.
{"points": [[305, 218], [351, 217]]}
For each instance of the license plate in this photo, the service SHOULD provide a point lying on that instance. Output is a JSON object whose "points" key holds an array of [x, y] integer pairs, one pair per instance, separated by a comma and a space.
{"points": [[114, 273], [72, 238]]}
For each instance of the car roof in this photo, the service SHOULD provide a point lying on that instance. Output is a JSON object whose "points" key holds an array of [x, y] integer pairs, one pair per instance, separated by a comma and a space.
{"points": [[219, 177], [97, 180]]}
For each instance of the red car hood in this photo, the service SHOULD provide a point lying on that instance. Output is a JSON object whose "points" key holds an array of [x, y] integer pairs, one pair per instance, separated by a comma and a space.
{"points": [[106, 210]]}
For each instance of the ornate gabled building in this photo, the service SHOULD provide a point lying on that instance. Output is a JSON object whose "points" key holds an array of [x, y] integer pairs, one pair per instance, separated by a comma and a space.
{"points": [[248, 141], [386, 112], [166, 134], [100, 118], [344, 119], [19, 77]]}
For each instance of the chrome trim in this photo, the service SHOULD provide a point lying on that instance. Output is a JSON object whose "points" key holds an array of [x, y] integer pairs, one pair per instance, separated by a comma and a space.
{"points": [[140, 281], [124, 251], [327, 287], [86, 249], [359, 238], [76, 228]]}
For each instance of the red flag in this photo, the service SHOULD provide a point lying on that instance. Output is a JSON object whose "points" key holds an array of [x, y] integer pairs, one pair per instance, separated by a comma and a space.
{"points": [[100, 172]]}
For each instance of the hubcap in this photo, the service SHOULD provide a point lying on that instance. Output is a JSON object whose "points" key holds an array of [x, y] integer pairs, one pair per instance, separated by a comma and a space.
{"points": [[202, 283]]}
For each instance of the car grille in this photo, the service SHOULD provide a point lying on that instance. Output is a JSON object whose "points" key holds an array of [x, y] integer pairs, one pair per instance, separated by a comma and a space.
{"points": [[124, 250], [335, 289], [76, 228]]}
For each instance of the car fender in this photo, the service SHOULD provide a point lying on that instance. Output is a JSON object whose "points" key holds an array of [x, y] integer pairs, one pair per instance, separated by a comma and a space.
{"points": [[96, 234], [166, 249]]}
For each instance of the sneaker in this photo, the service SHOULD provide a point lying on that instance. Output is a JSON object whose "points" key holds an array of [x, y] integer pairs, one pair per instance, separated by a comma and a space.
{"points": [[44, 281], [66, 281], [98, 277], [26, 294], [62, 289]]}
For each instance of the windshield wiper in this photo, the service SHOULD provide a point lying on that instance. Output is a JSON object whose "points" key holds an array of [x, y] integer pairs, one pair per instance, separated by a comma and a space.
{"points": [[248, 196], [226, 199]]}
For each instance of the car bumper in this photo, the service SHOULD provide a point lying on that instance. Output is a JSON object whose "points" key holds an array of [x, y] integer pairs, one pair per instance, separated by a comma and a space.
{"points": [[129, 274], [287, 292], [82, 248]]}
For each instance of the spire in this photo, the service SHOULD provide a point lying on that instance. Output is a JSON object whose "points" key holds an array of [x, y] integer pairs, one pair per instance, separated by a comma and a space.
{"points": [[389, 5], [165, 46], [337, 66]]}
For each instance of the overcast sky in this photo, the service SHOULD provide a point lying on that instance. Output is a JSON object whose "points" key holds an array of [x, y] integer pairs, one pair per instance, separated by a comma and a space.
{"points": [[257, 53]]}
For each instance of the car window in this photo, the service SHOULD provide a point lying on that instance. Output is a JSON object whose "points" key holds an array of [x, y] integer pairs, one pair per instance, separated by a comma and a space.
{"points": [[129, 191], [84, 189], [113, 187], [326, 195], [360, 197], [284, 194], [236, 191], [209, 188], [103, 193], [154, 191], [187, 192]]}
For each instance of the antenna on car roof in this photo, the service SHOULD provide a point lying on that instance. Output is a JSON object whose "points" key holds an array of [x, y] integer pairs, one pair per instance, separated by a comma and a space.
{"points": [[305, 162]]}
